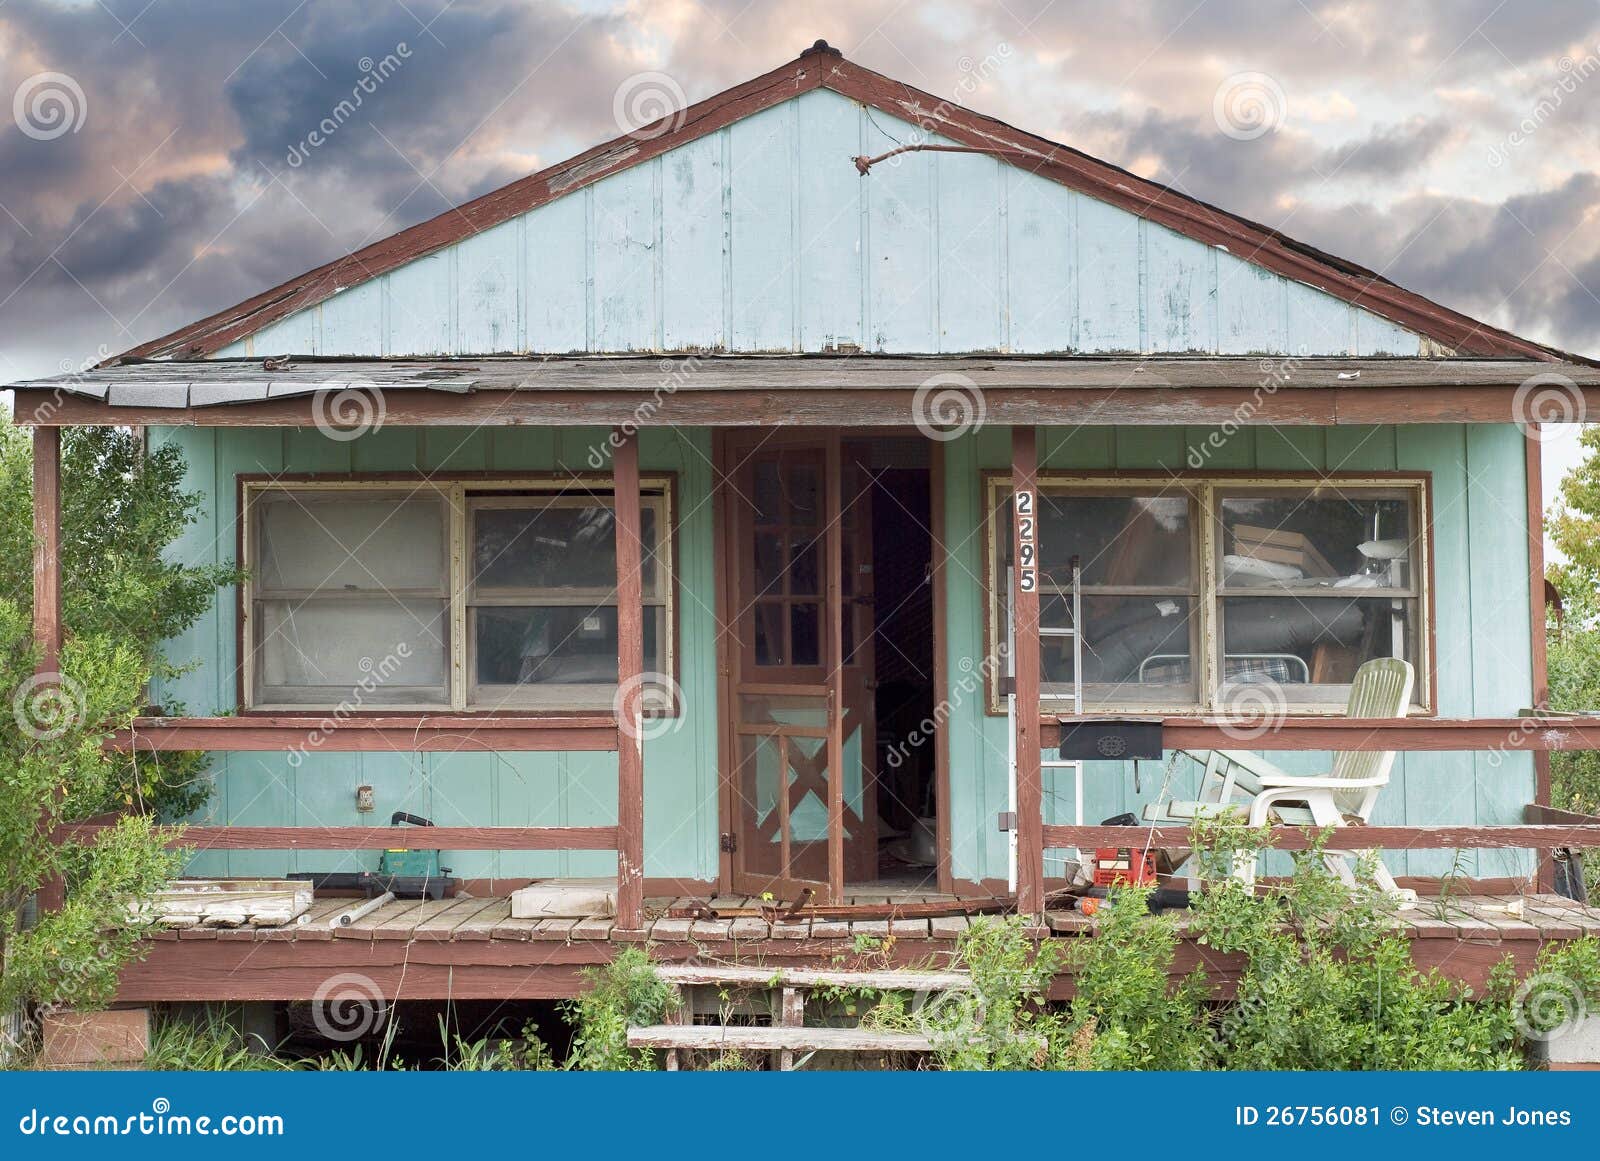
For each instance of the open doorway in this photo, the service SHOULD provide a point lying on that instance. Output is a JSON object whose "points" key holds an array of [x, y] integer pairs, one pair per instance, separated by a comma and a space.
{"points": [[903, 686], [829, 768]]}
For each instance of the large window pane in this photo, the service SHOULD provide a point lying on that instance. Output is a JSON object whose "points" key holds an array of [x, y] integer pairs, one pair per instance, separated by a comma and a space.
{"points": [[310, 540], [1318, 641], [353, 651], [1136, 649], [534, 646], [1119, 540], [551, 548], [1322, 539]]}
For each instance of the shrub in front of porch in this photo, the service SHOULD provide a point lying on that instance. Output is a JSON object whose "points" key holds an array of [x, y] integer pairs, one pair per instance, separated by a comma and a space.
{"points": [[121, 597]]}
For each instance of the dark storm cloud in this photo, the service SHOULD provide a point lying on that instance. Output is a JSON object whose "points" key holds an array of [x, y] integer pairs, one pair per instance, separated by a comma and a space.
{"points": [[175, 198], [1531, 263]]}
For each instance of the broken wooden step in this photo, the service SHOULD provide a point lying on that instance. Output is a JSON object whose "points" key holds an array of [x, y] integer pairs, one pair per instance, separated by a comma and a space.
{"points": [[888, 980], [713, 1037]]}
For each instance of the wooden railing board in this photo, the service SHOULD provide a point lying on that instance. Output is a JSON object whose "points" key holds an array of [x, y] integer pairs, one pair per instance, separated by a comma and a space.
{"points": [[1360, 838], [402, 733], [375, 838]]}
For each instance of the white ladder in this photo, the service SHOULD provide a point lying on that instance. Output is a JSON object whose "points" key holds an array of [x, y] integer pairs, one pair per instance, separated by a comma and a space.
{"points": [[1069, 632]]}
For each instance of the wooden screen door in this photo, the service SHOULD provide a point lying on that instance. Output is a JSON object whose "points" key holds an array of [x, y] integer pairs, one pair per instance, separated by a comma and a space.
{"points": [[800, 730]]}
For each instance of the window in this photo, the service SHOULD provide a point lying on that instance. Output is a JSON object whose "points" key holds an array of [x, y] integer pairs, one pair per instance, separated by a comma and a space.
{"points": [[466, 595], [1191, 589]]}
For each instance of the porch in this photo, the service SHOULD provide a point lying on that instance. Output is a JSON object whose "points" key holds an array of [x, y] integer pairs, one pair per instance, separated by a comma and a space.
{"points": [[671, 811], [471, 948]]}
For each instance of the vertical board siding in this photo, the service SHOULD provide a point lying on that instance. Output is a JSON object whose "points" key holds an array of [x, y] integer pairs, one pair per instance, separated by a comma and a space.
{"points": [[1480, 606], [625, 261], [763, 237], [831, 234], [1109, 288], [694, 244], [762, 230], [466, 788], [1040, 292], [488, 291]]}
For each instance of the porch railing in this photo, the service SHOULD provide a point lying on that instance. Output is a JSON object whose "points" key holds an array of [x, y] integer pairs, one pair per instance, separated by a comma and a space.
{"points": [[404, 734], [1543, 828], [620, 731]]}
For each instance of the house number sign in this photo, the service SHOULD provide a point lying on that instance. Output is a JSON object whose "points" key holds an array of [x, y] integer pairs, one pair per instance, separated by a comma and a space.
{"points": [[1027, 549]]}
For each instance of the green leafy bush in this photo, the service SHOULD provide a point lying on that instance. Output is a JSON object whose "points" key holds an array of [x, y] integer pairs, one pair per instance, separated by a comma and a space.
{"points": [[627, 991], [121, 597]]}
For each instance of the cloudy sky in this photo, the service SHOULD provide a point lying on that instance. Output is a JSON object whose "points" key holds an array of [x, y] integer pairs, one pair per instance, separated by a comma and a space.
{"points": [[1453, 146]]}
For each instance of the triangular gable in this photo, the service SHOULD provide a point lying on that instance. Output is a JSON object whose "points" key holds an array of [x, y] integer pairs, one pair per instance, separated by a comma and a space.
{"points": [[752, 194]]}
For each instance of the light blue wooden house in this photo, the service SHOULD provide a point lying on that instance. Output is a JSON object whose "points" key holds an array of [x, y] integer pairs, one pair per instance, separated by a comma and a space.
{"points": [[801, 380]]}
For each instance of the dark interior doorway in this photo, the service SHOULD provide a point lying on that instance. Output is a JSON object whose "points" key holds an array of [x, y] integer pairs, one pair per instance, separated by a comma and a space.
{"points": [[902, 565]]}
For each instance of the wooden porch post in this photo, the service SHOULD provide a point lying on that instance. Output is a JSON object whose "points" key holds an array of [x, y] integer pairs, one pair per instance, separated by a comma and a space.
{"points": [[47, 547], [630, 671], [1533, 463], [47, 591], [1025, 667]]}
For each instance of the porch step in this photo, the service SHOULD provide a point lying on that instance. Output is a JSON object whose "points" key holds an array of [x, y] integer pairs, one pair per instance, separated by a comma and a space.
{"points": [[689, 975], [720, 1036], [789, 1035]]}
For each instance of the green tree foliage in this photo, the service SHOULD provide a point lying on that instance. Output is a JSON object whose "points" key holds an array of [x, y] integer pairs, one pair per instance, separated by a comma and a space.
{"points": [[121, 508], [1574, 523], [1574, 640], [120, 599]]}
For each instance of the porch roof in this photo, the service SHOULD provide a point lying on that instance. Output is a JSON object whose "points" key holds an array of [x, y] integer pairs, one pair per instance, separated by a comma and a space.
{"points": [[878, 390]]}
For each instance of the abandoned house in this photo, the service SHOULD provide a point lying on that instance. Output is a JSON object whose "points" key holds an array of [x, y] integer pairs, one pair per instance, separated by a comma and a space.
{"points": [[829, 497]]}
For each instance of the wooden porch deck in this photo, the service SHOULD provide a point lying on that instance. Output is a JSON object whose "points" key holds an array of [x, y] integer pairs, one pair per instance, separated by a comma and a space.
{"points": [[471, 948]]}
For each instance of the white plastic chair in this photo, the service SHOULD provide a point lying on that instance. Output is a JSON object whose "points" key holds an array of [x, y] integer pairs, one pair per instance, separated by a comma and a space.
{"points": [[1381, 689]]}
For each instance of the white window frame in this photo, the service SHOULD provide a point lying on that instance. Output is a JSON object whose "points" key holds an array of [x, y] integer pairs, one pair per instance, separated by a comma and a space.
{"points": [[459, 495], [1205, 493]]}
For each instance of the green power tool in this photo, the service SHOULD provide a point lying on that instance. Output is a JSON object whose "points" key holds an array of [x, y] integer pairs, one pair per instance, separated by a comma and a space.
{"points": [[407, 873]]}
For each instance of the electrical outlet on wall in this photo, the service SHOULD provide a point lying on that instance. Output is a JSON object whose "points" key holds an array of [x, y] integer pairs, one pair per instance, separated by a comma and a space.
{"points": [[364, 800]]}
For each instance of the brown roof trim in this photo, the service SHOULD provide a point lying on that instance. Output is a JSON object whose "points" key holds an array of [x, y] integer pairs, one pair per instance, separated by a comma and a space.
{"points": [[823, 67]]}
